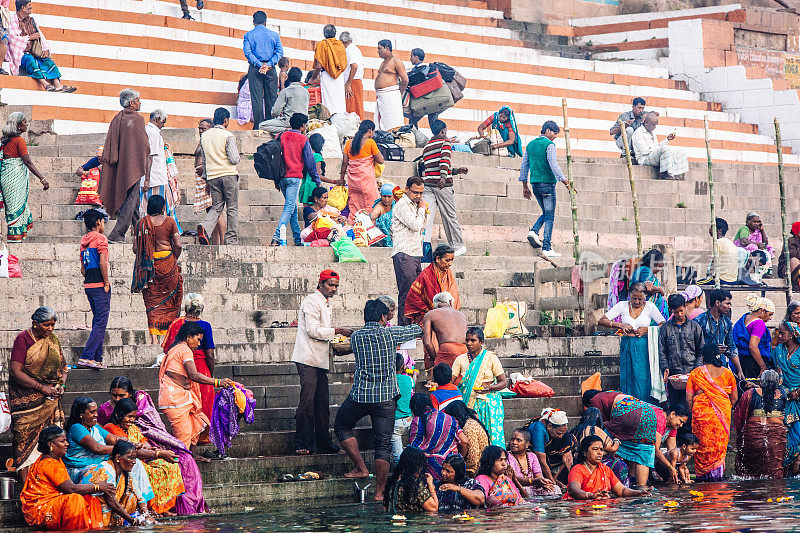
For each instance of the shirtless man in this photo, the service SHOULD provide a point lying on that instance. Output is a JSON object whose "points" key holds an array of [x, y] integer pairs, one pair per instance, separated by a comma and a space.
{"points": [[444, 332], [389, 95]]}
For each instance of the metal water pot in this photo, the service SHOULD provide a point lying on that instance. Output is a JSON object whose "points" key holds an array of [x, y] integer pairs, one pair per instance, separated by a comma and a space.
{"points": [[7, 485]]}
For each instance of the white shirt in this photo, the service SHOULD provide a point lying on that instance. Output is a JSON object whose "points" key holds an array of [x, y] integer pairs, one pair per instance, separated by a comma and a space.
{"points": [[644, 142], [354, 56], [408, 223], [649, 313], [158, 171], [314, 331]]}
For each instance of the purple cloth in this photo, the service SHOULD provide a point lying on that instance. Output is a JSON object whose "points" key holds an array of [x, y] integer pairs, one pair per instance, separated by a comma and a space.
{"points": [[104, 414], [244, 105], [149, 421], [225, 417]]}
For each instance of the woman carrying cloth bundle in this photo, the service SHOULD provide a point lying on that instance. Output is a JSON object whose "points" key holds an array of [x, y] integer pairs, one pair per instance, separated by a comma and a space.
{"points": [[156, 274], [479, 374]]}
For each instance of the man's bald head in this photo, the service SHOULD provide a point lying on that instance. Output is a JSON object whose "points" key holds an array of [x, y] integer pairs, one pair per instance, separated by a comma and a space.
{"points": [[651, 121]]}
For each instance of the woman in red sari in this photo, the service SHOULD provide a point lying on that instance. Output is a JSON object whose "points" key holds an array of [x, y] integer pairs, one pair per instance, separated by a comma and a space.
{"points": [[156, 274], [711, 393], [204, 354], [437, 277], [590, 479]]}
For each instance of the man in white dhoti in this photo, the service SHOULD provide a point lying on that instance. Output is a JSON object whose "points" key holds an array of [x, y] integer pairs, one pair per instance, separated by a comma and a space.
{"points": [[388, 92], [672, 161], [330, 62]]}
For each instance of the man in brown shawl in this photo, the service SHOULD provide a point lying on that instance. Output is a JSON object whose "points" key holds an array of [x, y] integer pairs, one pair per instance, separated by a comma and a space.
{"points": [[124, 163]]}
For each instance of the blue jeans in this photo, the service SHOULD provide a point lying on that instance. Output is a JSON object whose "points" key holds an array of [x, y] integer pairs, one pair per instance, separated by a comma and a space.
{"points": [[100, 303], [290, 187], [545, 194]]}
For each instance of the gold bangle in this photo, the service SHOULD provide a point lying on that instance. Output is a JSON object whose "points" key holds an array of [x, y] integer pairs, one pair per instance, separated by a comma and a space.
{"points": [[96, 487]]}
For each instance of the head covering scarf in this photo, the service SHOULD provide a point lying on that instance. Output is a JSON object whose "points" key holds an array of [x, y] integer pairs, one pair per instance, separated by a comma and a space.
{"points": [[516, 148], [387, 189], [751, 214], [755, 302], [691, 292], [796, 228], [794, 329]]}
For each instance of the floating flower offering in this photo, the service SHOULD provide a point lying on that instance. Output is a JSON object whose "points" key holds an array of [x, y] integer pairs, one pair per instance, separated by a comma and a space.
{"points": [[464, 517], [398, 518], [696, 493], [671, 503], [599, 506]]}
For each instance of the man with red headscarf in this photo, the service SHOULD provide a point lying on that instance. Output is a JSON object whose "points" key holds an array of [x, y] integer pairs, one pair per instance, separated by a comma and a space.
{"points": [[314, 333], [793, 242]]}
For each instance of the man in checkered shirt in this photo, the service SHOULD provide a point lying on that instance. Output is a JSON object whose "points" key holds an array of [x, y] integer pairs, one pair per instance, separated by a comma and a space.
{"points": [[375, 390]]}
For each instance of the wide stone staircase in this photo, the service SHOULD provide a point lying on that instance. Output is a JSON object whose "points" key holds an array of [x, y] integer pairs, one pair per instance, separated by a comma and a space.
{"points": [[248, 287]]}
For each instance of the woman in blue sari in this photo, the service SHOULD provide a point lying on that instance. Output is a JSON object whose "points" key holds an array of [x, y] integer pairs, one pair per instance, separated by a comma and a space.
{"points": [[480, 375], [752, 337], [787, 359], [647, 272], [505, 123]]}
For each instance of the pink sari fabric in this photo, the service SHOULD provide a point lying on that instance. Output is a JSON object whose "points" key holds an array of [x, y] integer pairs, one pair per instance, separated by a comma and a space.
{"points": [[501, 492], [149, 421], [362, 186]]}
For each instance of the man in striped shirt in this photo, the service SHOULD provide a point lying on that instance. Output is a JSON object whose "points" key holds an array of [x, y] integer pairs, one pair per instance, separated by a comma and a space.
{"points": [[438, 176]]}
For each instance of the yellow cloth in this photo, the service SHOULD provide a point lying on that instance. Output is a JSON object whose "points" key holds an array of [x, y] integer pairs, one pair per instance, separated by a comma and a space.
{"points": [[332, 55]]}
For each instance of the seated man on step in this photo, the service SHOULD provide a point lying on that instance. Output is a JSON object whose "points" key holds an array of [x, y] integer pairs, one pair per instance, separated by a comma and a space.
{"points": [[670, 160], [632, 120]]}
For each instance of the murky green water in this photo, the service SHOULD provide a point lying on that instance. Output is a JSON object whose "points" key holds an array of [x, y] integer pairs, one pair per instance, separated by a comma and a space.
{"points": [[734, 506]]}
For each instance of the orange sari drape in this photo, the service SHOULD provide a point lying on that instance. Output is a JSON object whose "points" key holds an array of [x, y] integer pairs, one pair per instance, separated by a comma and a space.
{"points": [[332, 56], [711, 417], [428, 284], [45, 506]]}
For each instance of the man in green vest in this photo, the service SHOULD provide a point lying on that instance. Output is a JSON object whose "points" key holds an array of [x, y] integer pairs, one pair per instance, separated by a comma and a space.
{"points": [[539, 159]]}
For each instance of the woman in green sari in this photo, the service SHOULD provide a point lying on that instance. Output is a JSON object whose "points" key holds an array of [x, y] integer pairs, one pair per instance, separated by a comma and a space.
{"points": [[14, 168], [480, 375]]}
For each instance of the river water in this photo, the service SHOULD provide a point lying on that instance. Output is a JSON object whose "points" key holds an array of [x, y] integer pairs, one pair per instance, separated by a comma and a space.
{"points": [[731, 506]]}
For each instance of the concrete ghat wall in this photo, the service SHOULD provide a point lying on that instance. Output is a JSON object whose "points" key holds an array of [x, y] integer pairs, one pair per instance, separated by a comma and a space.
{"points": [[695, 49]]}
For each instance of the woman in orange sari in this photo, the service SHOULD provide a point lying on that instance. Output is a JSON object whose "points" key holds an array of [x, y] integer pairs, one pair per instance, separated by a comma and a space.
{"points": [[162, 470], [193, 305], [50, 499], [590, 479], [711, 393], [437, 277], [179, 386], [358, 162]]}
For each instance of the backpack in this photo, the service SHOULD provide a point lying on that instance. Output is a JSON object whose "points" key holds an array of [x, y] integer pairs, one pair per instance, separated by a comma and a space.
{"points": [[383, 137], [268, 160], [419, 167]]}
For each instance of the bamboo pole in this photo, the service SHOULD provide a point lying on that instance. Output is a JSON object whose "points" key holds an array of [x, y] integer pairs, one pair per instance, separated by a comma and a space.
{"points": [[624, 134], [573, 204], [781, 187], [714, 248]]}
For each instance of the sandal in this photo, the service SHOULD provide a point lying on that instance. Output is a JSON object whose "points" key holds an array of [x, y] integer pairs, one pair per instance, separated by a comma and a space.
{"points": [[275, 324], [68, 89], [51, 89]]}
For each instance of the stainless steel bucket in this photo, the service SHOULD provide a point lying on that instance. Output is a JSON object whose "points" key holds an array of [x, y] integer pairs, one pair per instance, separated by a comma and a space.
{"points": [[7, 485]]}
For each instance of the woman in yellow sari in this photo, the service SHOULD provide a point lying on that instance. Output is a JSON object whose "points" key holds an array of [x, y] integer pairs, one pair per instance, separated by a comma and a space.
{"points": [[124, 508], [710, 393], [162, 470], [36, 383], [50, 499], [179, 386], [480, 375]]}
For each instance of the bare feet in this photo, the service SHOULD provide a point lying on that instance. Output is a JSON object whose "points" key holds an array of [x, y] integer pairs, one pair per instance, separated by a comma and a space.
{"points": [[378, 498], [355, 473], [199, 458]]}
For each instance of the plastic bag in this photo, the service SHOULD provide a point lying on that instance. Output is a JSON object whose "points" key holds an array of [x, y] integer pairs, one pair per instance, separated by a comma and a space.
{"points": [[379, 168], [9, 264], [532, 389], [496, 321], [87, 195], [337, 197], [516, 314], [5, 413], [332, 148], [346, 123], [591, 383], [347, 252]]}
